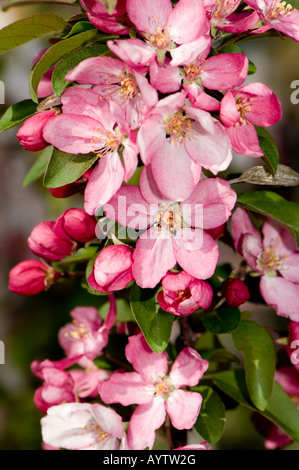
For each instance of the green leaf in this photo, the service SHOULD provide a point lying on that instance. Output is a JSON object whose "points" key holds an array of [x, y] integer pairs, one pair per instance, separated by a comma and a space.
{"points": [[39, 167], [155, 324], [268, 147], [109, 4], [79, 27], [211, 419], [274, 206], [53, 55], [257, 347], [234, 49], [65, 168], [82, 256], [280, 409], [222, 320], [124, 312], [70, 61], [30, 28], [16, 114]]}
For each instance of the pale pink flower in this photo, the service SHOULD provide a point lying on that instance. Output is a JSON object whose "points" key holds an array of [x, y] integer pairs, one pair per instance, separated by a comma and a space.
{"points": [[170, 238], [240, 110], [82, 426], [112, 269], [87, 335], [182, 294], [222, 16], [177, 140], [177, 30], [46, 243], [116, 23], [275, 258], [90, 124], [113, 79], [277, 15], [31, 277], [155, 391]]}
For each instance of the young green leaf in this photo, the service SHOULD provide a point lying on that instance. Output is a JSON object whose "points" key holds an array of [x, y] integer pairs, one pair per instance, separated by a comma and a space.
{"points": [[79, 27], [70, 61], [280, 408], [222, 320], [155, 324], [53, 55], [65, 168], [274, 206], [30, 28], [39, 167], [17, 114], [257, 347], [269, 148], [211, 419]]}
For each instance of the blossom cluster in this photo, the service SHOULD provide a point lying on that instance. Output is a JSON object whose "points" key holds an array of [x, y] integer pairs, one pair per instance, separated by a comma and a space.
{"points": [[166, 100]]}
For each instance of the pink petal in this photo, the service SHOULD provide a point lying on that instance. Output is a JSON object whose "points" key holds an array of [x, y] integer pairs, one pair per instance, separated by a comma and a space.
{"points": [[251, 248], [224, 71], [165, 77], [151, 136], [144, 422], [133, 52], [183, 408], [282, 295], [147, 14], [241, 224], [148, 92], [199, 262], [187, 21], [126, 388], [279, 238], [105, 180], [187, 53], [199, 99], [229, 113], [288, 378], [215, 198], [153, 257], [265, 107], [149, 364], [188, 368], [149, 188], [244, 140], [96, 70]]}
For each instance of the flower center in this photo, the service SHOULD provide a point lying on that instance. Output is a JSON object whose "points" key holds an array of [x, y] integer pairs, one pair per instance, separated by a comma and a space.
{"points": [[127, 88], [279, 9], [99, 435], [169, 218], [183, 294], [106, 141], [192, 71], [161, 388], [78, 331], [244, 106], [160, 36], [223, 8], [179, 128], [269, 260]]}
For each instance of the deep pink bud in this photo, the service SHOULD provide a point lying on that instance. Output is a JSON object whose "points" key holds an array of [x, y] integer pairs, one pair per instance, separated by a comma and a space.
{"points": [[30, 134], [112, 269], [183, 294], [77, 225], [216, 232], [235, 292], [45, 242], [69, 189], [31, 277]]}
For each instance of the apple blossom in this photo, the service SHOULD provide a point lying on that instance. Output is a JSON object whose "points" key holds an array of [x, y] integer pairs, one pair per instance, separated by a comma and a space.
{"points": [[31, 277]]}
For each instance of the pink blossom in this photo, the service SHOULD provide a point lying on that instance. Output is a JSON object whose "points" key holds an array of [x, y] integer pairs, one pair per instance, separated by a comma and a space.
{"points": [[30, 134], [76, 224], [177, 140], [155, 391], [293, 344], [240, 110], [112, 269], [31, 277], [47, 244], [222, 16], [114, 79], [82, 426], [177, 30], [277, 15], [170, 238], [235, 292], [90, 124], [275, 258], [116, 23], [86, 335], [183, 294]]}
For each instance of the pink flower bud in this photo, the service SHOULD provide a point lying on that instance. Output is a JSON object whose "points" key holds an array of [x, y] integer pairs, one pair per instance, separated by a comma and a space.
{"points": [[69, 189], [30, 134], [112, 269], [31, 277], [183, 294], [235, 292], [77, 225], [44, 242]]}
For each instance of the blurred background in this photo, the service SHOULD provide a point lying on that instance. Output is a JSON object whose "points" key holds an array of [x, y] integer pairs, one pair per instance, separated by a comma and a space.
{"points": [[29, 326]]}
